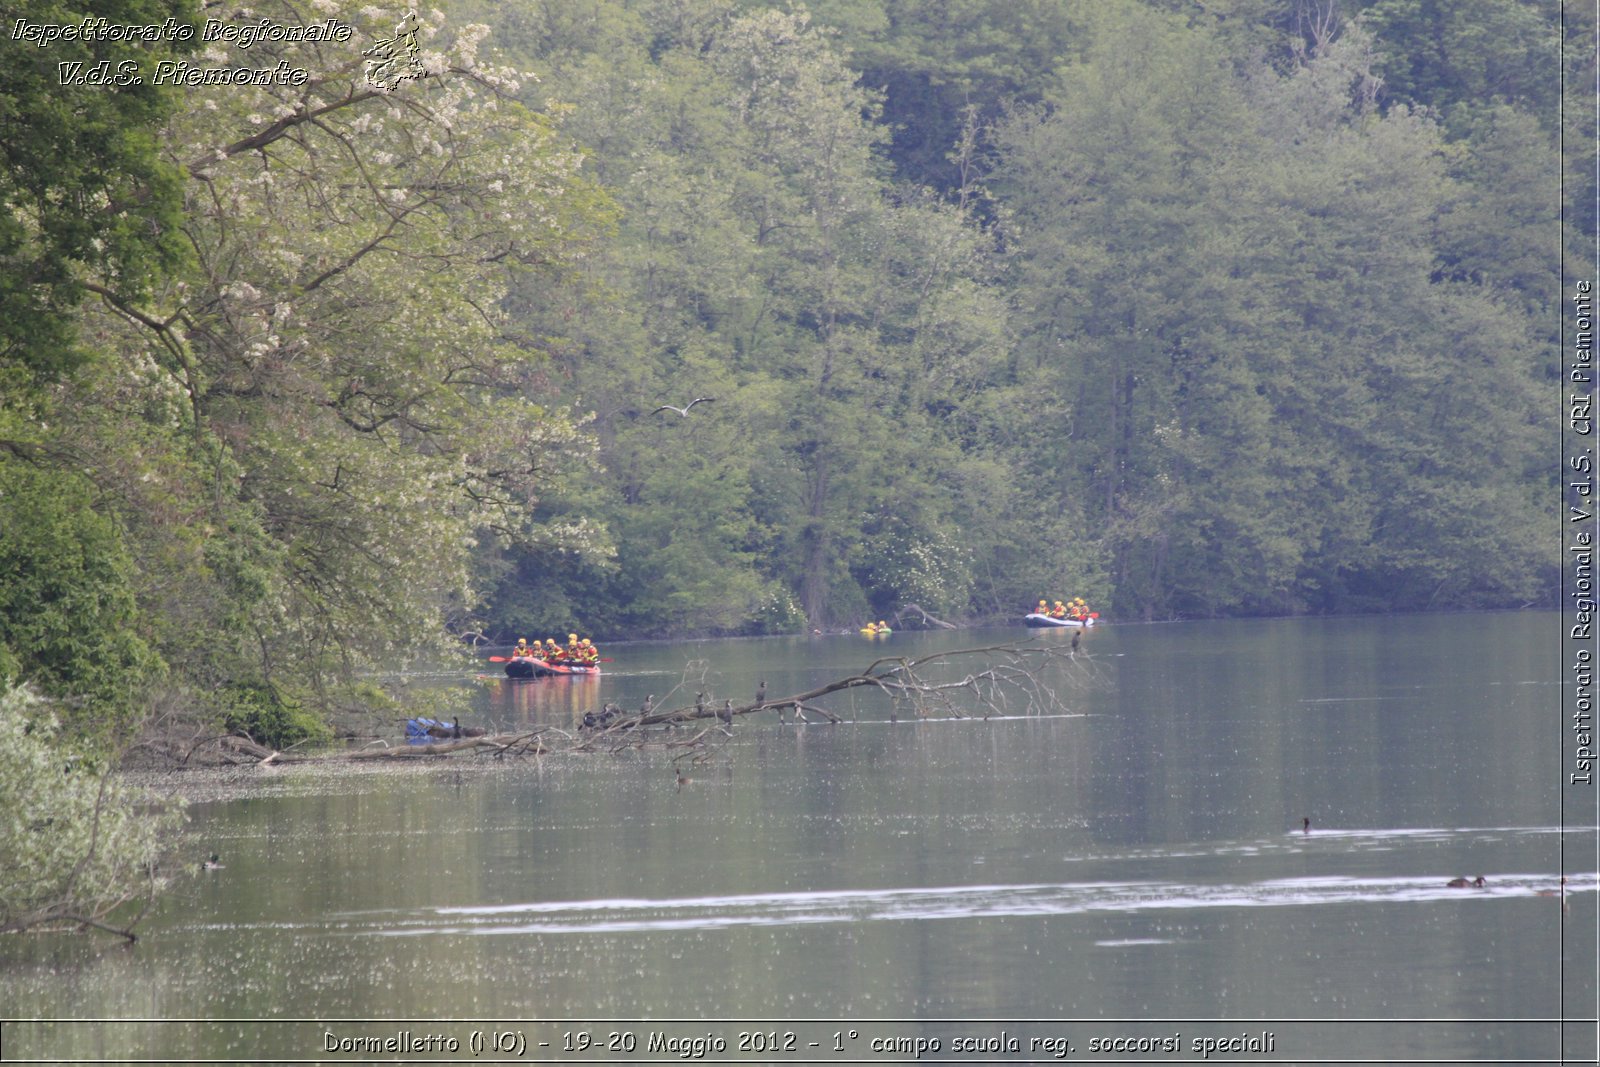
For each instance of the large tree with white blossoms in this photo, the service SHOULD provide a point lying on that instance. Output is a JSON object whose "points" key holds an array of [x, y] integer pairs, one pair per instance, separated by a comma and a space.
{"points": [[302, 434]]}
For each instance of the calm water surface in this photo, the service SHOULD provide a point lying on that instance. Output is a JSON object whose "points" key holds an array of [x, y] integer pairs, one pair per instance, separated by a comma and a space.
{"points": [[1128, 864]]}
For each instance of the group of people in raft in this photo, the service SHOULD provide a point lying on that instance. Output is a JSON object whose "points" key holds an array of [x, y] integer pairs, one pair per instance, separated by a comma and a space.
{"points": [[1072, 609], [575, 652]]}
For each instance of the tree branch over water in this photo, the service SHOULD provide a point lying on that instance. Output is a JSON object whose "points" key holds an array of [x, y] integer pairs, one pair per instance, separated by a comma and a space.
{"points": [[993, 681]]}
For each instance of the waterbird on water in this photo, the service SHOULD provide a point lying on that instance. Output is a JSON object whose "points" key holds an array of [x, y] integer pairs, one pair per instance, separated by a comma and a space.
{"points": [[1305, 825], [212, 864], [684, 411], [1465, 883]]}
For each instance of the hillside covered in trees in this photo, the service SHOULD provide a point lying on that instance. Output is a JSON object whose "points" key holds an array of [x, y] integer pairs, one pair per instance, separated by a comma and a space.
{"points": [[1248, 307]]}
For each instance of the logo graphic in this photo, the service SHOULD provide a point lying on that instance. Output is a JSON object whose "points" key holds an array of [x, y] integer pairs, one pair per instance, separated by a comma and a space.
{"points": [[393, 60]]}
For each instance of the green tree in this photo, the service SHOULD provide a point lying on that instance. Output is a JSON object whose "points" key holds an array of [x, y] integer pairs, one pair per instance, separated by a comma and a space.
{"points": [[67, 609], [1466, 55], [76, 843], [764, 259], [84, 192], [1237, 287], [946, 65], [345, 399]]}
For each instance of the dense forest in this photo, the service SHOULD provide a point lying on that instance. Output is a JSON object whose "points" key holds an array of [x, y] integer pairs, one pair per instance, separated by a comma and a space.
{"points": [[1244, 307]]}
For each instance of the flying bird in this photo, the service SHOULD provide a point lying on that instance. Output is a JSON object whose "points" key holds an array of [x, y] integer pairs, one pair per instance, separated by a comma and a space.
{"points": [[684, 411]]}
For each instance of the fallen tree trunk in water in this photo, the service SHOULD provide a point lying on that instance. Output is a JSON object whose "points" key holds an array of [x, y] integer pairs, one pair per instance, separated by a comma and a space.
{"points": [[927, 620], [521, 743], [1004, 675]]}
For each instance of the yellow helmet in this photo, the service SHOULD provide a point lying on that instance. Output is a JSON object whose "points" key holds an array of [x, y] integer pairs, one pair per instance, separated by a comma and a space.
{"points": [[585, 641], [522, 640]]}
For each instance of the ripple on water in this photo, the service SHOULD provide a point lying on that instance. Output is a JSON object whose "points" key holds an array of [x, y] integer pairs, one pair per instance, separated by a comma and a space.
{"points": [[622, 915]]}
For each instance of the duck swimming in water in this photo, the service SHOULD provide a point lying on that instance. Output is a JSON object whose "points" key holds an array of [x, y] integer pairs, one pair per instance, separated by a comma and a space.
{"points": [[1467, 883], [212, 864]]}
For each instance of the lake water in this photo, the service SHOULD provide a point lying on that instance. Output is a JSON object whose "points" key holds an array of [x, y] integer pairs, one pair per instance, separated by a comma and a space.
{"points": [[1123, 872]]}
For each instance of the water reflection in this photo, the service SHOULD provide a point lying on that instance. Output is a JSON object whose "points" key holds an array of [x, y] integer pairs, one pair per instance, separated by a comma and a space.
{"points": [[559, 700]]}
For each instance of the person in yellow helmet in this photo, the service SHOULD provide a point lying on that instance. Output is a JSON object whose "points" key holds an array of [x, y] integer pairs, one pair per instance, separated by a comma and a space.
{"points": [[521, 651], [1059, 611], [553, 652]]}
